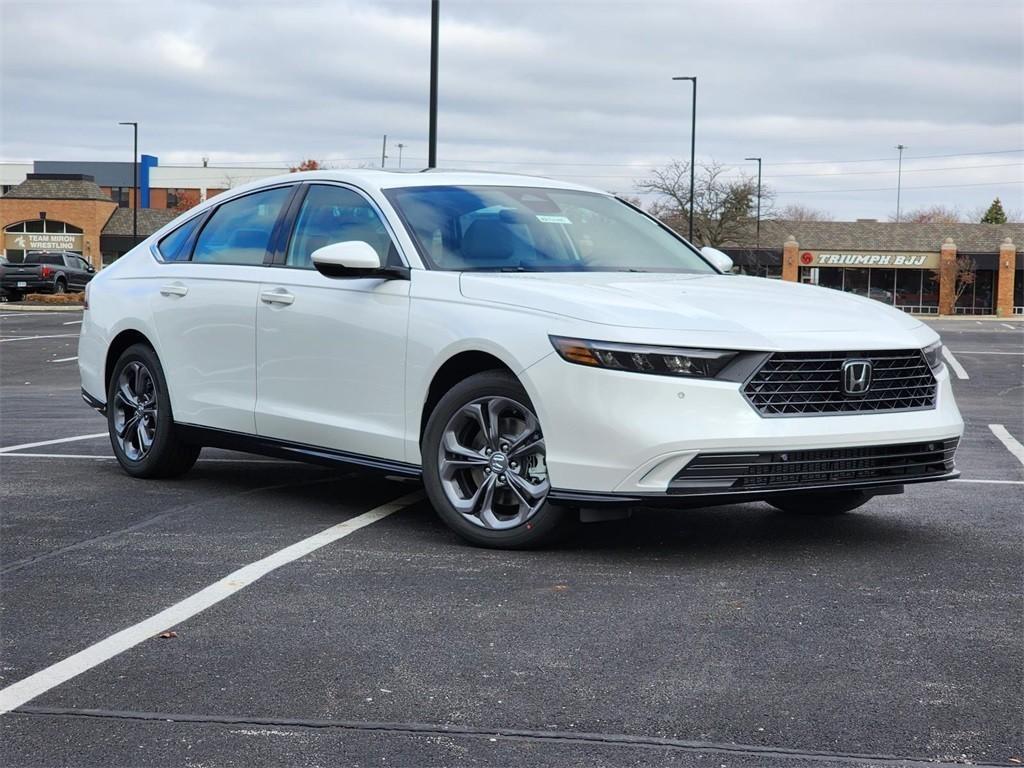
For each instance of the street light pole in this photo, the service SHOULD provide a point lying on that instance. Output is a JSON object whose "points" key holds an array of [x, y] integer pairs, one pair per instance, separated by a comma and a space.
{"points": [[435, 18], [899, 179], [758, 198], [693, 144], [400, 147], [384, 151], [135, 183]]}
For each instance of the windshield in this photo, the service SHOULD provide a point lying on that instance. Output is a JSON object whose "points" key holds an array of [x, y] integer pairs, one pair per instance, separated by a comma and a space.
{"points": [[527, 229]]}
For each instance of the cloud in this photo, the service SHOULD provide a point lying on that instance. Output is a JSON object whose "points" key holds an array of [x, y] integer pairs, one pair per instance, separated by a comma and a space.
{"points": [[575, 89]]}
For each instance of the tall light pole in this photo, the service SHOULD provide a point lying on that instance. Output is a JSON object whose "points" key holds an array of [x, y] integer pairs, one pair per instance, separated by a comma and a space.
{"points": [[758, 198], [135, 183], [384, 151], [401, 146], [693, 144], [899, 179], [435, 18]]}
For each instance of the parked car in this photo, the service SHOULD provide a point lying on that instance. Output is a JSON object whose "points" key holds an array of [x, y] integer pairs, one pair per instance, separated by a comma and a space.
{"points": [[46, 272], [536, 351]]}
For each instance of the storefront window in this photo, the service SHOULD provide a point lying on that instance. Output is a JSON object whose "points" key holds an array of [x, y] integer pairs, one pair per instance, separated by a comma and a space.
{"points": [[1018, 292], [882, 285]]}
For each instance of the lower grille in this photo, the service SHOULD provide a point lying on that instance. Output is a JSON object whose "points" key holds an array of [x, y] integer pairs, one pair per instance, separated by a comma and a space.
{"points": [[739, 472]]}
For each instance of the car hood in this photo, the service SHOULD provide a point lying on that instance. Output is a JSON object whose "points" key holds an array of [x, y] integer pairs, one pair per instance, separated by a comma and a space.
{"points": [[701, 303]]}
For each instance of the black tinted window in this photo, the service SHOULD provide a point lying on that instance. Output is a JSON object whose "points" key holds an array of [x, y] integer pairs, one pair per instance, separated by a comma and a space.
{"points": [[174, 247], [45, 258], [335, 215], [239, 231]]}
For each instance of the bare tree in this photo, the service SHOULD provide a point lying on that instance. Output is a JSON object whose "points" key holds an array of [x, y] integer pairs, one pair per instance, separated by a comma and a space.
{"points": [[723, 205], [966, 274], [800, 212], [932, 214]]}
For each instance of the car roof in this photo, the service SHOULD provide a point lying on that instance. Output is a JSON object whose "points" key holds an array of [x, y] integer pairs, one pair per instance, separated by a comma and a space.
{"points": [[374, 179]]}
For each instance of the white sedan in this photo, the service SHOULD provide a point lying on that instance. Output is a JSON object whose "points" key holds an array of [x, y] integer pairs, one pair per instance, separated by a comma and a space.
{"points": [[536, 351]]}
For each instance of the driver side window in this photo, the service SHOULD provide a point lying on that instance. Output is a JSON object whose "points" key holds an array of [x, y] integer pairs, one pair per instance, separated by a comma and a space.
{"points": [[330, 215]]}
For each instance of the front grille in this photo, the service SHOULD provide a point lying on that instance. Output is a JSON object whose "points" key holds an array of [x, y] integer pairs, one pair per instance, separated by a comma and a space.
{"points": [[739, 472], [810, 383]]}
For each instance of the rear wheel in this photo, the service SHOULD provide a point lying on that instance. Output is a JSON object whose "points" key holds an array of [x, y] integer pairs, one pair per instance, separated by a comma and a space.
{"points": [[60, 286], [484, 465], [821, 504], [139, 418]]}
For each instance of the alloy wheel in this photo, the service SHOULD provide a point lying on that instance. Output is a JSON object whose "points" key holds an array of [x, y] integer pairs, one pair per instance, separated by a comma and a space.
{"points": [[491, 463], [135, 410]]}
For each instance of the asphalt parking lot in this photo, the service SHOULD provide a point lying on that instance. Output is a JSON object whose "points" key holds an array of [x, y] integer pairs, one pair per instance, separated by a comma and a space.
{"points": [[731, 636]]}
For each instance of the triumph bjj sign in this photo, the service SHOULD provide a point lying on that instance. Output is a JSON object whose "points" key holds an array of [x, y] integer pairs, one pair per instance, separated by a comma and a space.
{"points": [[880, 260]]}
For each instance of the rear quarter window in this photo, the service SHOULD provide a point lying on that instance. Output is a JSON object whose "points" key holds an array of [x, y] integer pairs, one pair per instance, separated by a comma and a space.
{"points": [[176, 245]]}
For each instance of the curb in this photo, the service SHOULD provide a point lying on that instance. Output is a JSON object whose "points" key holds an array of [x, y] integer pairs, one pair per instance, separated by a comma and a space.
{"points": [[5, 307]]}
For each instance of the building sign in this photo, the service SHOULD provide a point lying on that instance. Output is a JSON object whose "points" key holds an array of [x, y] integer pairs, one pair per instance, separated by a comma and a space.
{"points": [[876, 260], [42, 241]]}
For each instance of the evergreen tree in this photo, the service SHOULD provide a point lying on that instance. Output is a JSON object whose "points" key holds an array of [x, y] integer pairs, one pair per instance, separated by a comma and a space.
{"points": [[995, 214]]}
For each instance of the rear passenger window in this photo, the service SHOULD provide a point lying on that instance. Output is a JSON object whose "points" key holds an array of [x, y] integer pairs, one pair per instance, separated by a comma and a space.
{"points": [[174, 247], [239, 231]]}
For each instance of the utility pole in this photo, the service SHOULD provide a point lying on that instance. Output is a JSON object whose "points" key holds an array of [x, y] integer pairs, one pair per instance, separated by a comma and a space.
{"points": [[758, 198], [135, 183], [384, 151], [435, 18], [693, 144], [400, 147], [899, 180]]}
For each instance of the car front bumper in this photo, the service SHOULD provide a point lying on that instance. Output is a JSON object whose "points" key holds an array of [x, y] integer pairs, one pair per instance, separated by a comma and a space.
{"points": [[618, 435]]}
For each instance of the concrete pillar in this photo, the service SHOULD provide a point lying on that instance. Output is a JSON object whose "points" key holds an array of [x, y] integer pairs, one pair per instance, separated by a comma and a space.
{"points": [[947, 277], [1004, 278], [791, 260]]}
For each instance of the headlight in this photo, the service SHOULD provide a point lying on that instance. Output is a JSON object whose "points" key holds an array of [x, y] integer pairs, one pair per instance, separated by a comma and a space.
{"points": [[640, 358], [933, 354]]}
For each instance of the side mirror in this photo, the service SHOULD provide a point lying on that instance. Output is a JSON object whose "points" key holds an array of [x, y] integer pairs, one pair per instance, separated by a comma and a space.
{"points": [[355, 258], [719, 260]]}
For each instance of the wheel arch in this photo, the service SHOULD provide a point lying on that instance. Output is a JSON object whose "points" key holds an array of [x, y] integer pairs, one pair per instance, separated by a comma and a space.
{"points": [[455, 369], [118, 345]]}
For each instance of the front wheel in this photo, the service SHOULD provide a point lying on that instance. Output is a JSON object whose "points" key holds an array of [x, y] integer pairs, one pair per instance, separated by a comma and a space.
{"points": [[820, 503], [484, 465], [139, 418]]}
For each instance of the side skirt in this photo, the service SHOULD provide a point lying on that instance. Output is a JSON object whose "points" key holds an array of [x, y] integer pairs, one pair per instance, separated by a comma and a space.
{"points": [[283, 449]]}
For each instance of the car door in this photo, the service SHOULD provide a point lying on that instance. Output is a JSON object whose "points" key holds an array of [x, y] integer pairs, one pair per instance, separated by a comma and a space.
{"points": [[76, 272], [331, 352], [204, 309]]}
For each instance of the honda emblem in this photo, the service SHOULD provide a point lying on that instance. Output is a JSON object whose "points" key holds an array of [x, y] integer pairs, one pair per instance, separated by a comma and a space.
{"points": [[856, 377]]}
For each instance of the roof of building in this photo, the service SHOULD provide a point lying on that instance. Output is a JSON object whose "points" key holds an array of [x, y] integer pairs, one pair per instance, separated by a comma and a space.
{"points": [[887, 236], [58, 186], [150, 220]]}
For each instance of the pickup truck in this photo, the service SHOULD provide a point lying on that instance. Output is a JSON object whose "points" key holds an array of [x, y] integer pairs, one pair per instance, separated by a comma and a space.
{"points": [[45, 272]]}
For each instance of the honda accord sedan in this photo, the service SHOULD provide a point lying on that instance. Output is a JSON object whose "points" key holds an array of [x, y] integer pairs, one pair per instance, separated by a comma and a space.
{"points": [[537, 352]]}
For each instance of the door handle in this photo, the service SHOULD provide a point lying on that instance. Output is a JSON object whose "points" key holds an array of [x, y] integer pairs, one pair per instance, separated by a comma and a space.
{"points": [[174, 289], [277, 296]]}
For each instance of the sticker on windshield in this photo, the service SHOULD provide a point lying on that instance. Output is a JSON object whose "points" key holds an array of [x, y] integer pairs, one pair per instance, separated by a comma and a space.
{"points": [[553, 219]]}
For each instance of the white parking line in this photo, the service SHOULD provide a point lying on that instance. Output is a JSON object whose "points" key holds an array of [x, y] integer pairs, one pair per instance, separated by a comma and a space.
{"points": [[72, 322], [1011, 327], [23, 691], [1008, 440], [989, 482], [954, 364], [64, 359], [10, 448], [104, 457], [974, 352], [30, 338]]}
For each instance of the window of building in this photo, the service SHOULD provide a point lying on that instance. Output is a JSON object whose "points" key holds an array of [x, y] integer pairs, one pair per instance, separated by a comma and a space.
{"points": [[239, 230], [172, 198], [120, 196], [335, 215]]}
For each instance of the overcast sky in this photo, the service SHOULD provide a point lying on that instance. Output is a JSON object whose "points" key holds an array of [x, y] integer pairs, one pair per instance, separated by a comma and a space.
{"points": [[579, 90]]}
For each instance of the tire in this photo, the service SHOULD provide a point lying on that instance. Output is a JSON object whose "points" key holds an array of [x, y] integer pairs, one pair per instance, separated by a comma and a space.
{"points": [[15, 296], [138, 392], [60, 286], [821, 504], [501, 493]]}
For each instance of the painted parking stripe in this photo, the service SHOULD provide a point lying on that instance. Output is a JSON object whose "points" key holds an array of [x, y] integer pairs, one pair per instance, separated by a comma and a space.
{"points": [[976, 352], [954, 364], [72, 322], [64, 359], [989, 482], [104, 457], [23, 691], [1011, 443], [31, 338], [74, 439]]}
